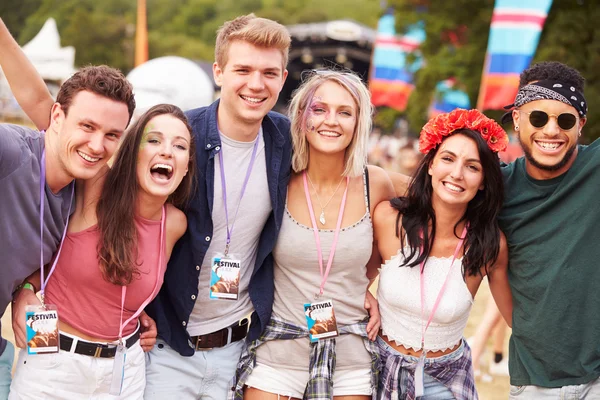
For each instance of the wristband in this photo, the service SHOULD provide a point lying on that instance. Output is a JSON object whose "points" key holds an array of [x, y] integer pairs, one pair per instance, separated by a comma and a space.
{"points": [[29, 286], [25, 285]]}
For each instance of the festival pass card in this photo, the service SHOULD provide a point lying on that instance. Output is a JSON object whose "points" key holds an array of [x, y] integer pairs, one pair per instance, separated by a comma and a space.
{"points": [[320, 319], [42, 329], [225, 278]]}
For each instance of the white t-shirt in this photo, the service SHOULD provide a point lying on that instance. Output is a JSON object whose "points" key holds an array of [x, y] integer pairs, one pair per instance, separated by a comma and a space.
{"points": [[210, 315]]}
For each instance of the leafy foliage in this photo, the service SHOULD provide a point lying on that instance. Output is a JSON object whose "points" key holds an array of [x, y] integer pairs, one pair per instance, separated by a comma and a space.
{"points": [[457, 34]]}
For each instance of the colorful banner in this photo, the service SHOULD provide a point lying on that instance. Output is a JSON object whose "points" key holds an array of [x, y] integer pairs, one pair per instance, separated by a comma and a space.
{"points": [[391, 80], [514, 35], [447, 97]]}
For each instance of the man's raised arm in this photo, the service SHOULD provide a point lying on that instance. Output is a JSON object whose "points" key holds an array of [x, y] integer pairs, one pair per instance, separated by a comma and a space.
{"points": [[27, 85]]}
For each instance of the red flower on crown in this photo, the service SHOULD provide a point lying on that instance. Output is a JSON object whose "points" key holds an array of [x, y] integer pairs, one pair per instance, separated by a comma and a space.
{"points": [[443, 125]]}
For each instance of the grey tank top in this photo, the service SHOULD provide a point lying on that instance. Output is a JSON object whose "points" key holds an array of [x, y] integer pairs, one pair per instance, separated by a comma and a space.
{"points": [[297, 279]]}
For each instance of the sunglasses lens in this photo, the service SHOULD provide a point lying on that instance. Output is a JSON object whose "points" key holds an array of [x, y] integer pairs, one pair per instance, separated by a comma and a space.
{"points": [[566, 121], [538, 118]]}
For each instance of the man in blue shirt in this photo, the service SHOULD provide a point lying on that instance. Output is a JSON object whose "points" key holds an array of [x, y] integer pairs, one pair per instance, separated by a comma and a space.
{"points": [[243, 158], [84, 125]]}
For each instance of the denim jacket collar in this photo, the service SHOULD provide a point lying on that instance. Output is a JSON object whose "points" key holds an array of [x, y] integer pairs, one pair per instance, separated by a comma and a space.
{"points": [[212, 139]]}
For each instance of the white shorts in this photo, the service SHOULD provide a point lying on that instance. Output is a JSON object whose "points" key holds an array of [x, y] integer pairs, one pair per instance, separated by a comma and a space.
{"points": [[65, 375], [292, 383]]}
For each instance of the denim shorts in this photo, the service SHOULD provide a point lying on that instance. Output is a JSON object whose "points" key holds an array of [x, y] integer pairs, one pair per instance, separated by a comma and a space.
{"points": [[433, 389], [6, 362]]}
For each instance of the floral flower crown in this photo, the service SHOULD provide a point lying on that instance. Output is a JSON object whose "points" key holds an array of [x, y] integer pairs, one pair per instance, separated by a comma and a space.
{"points": [[443, 125]]}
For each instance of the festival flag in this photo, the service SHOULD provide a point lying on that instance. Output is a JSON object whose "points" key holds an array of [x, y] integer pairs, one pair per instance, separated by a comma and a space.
{"points": [[447, 97], [391, 80], [514, 35]]}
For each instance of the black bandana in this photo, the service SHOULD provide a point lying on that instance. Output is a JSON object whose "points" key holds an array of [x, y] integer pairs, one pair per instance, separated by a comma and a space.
{"points": [[552, 90]]}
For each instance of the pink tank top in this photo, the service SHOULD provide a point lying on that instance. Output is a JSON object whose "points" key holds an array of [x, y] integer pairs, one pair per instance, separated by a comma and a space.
{"points": [[88, 302]]}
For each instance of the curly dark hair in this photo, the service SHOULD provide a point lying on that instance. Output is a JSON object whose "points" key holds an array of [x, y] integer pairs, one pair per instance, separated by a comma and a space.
{"points": [[416, 212], [552, 70], [99, 79]]}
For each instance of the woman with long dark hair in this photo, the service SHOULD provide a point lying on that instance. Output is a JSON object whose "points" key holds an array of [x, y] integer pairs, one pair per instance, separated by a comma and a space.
{"points": [[111, 263], [439, 241]]}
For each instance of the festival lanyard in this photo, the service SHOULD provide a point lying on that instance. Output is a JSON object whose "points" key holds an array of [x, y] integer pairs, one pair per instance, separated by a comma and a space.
{"points": [[42, 198], [224, 190], [313, 220], [122, 324], [442, 290]]}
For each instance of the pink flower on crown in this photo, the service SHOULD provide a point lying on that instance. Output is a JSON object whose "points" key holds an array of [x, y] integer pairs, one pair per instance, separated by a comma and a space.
{"points": [[443, 125]]}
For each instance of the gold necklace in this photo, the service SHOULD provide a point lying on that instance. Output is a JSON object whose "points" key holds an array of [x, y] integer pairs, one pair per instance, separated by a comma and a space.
{"points": [[322, 215]]}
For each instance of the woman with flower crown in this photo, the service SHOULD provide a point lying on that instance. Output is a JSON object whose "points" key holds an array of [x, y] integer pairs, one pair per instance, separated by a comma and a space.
{"points": [[439, 241]]}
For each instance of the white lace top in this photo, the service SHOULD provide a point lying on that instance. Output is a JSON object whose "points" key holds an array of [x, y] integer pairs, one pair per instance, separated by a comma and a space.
{"points": [[399, 298]]}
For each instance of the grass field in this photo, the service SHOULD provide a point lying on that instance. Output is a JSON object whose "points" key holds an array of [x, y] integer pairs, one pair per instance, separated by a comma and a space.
{"points": [[495, 390]]}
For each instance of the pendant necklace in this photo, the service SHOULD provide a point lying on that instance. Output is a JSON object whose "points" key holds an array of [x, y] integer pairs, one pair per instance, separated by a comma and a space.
{"points": [[322, 215]]}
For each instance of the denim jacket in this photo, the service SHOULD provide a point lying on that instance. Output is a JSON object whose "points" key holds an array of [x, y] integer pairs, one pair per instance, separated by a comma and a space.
{"points": [[172, 307]]}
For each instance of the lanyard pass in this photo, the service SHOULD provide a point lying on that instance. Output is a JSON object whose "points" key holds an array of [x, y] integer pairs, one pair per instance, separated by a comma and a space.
{"points": [[420, 368], [324, 274], [224, 191], [118, 373]]}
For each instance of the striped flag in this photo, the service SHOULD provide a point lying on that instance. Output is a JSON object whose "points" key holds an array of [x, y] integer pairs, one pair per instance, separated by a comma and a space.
{"points": [[391, 75], [447, 98], [514, 35]]}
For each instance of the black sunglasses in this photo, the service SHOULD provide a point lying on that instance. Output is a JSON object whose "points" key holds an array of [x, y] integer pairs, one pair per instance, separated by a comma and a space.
{"points": [[539, 119]]}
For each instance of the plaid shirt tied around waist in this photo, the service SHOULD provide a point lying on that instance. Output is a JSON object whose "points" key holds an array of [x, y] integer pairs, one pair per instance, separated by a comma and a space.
{"points": [[397, 380], [322, 358]]}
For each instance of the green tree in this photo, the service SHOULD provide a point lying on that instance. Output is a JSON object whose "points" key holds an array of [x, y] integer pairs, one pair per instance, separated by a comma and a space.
{"points": [[571, 35], [15, 13], [101, 32]]}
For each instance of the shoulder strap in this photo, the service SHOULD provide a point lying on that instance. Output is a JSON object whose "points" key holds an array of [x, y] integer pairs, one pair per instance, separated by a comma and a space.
{"points": [[366, 184]]}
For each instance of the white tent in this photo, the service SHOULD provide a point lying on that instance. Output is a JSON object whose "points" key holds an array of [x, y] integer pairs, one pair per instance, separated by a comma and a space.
{"points": [[53, 62], [173, 80]]}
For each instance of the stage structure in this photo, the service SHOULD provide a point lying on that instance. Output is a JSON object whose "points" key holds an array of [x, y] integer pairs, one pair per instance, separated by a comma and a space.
{"points": [[339, 44]]}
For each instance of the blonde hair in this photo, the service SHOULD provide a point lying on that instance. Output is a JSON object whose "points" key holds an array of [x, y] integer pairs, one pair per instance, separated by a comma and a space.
{"points": [[356, 153], [260, 32]]}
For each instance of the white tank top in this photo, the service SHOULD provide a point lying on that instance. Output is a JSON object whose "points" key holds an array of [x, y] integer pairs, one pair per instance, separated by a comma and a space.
{"points": [[399, 298]]}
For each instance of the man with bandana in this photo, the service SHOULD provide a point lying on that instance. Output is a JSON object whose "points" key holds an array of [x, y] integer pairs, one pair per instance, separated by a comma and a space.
{"points": [[551, 221]]}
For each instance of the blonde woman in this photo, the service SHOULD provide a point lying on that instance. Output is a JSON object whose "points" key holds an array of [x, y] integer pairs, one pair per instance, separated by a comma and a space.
{"points": [[319, 339]]}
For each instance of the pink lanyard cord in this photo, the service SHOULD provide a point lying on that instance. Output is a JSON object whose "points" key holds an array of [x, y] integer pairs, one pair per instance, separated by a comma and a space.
{"points": [[43, 281], [313, 220], [122, 324], [442, 290]]}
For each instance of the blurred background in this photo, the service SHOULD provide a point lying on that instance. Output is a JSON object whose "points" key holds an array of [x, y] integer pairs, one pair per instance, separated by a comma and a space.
{"points": [[419, 57]]}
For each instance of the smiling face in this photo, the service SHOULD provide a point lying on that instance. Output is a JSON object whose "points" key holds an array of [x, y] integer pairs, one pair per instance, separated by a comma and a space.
{"points": [[549, 150], [163, 156], [456, 171], [250, 81], [88, 134], [331, 119]]}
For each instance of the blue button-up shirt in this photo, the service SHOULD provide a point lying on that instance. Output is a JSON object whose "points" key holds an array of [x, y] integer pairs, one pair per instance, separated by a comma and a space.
{"points": [[172, 307]]}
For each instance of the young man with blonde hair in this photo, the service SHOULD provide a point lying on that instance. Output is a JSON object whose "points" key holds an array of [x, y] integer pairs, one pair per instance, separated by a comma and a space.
{"points": [[221, 271]]}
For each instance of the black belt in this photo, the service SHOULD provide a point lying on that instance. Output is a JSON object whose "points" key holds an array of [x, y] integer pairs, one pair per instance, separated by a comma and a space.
{"points": [[96, 349], [222, 337]]}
